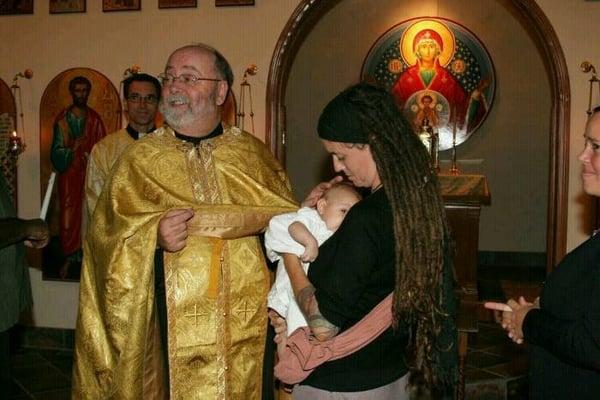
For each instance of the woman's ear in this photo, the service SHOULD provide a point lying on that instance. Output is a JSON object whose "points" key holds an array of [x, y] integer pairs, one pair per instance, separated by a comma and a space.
{"points": [[321, 203]]}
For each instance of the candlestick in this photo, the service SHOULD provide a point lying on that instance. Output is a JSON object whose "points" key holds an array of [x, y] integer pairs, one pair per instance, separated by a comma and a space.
{"points": [[454, 168], [586, 67], [15, 142], [15, 145], [252, 69]]}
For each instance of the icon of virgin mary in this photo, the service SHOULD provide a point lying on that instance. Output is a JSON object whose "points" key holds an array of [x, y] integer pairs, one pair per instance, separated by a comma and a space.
{"points": [[428, 51]]}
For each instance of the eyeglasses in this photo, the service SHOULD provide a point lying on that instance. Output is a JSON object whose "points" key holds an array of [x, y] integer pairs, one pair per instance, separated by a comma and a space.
{"points": [[136, 98], [186, 79]]}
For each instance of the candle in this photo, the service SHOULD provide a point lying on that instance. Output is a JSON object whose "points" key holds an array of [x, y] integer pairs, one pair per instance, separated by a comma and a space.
{"points": [[47, 196], [14, 142]]}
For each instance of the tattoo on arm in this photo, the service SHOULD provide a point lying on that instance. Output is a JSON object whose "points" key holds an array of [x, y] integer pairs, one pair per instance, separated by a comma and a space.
{"points": [[320, 327]]}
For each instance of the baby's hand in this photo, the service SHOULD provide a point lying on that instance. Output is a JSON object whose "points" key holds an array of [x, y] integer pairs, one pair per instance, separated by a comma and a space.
{"points": [[311, 251]]}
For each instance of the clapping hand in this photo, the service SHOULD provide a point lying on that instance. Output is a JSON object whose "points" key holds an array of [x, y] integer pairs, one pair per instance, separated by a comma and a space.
{"points": [[513, 315]]}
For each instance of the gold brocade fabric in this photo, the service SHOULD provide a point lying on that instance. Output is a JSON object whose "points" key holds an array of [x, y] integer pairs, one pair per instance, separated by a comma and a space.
{"points": [[216, 286], [104, 154]]}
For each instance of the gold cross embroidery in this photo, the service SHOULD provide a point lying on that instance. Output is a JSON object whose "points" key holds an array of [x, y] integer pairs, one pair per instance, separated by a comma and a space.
{"points": [[245, 310], [195, 315]]}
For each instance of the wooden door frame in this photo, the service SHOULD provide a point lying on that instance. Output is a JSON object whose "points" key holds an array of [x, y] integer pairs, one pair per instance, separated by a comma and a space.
{"points": [[309, 12]]}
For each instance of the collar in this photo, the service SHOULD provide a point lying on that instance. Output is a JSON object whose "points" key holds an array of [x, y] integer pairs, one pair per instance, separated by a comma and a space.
{"points": [[196, 140], [135, 135]]}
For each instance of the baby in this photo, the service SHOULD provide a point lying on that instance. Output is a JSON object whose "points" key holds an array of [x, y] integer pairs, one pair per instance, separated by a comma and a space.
{"points": [[302, 233]]}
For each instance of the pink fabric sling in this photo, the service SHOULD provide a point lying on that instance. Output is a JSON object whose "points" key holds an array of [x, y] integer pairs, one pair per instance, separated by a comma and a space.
{"points": [[304, 353]]}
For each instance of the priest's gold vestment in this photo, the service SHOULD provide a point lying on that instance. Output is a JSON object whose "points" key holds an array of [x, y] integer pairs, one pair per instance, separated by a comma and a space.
{"points": [[102, 158], [216, 286]]}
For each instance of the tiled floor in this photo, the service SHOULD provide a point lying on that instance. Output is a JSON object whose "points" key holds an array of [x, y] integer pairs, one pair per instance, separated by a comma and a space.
{"points": [[41, 374], [496, 367], [495, 370]]}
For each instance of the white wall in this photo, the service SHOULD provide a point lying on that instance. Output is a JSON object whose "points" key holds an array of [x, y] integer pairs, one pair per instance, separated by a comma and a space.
{"points": [[111, 42]]}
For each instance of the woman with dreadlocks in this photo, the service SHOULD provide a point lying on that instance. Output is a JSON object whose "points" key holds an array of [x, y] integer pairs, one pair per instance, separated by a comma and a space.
{"points": [[394, 241]]}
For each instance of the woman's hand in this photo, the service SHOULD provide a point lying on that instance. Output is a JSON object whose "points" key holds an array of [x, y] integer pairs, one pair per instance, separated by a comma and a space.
{"points": [[317, 192], [513, 315], [278, 323], [516, 331]]}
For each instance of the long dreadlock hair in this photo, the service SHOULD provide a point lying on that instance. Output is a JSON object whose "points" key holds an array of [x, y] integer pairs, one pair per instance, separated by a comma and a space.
{"points": [[420, 226]]}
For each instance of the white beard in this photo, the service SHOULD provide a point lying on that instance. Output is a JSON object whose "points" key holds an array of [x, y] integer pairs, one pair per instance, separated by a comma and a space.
{"points": [[176, 118]]}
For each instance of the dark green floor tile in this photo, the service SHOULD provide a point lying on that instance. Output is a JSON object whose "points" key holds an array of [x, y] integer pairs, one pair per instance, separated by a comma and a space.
{"points": [[40, 378], [61, 394]]}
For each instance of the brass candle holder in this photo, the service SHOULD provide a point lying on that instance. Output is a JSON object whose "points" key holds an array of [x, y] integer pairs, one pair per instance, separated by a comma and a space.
{"points": [[251, 70], [15, 141], [587, 67], [15, 144]]}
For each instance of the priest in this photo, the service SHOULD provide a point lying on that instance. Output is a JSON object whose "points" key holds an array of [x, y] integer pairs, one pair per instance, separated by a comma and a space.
{"points": [[200, 191], [142, 93]]}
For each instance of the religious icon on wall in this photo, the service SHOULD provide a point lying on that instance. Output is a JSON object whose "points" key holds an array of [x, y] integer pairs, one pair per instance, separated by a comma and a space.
{"points": [[220, 3], [79, 107], [16, 7], [67, 6], [121, 5], [436, 69], [176, 3], [8, 159]]}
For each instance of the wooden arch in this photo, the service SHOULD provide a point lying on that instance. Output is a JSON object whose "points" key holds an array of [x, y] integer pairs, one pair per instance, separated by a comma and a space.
{"points": [[309, 12]]}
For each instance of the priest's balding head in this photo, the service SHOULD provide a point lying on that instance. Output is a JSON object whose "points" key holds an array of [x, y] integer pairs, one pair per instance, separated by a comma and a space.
{"points": [[196, 81]]}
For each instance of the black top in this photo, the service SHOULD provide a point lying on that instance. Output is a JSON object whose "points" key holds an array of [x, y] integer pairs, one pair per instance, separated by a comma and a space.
{"points": [[197, 139], [135, 135], [352, 274], [565, 331]]}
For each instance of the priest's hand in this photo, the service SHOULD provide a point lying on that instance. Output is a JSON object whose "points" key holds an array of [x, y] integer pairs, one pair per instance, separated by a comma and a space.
{"points": [[172, 229]]}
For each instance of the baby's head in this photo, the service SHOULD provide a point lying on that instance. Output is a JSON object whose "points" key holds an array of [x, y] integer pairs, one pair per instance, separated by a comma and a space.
{"points": [[335, 203]]}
